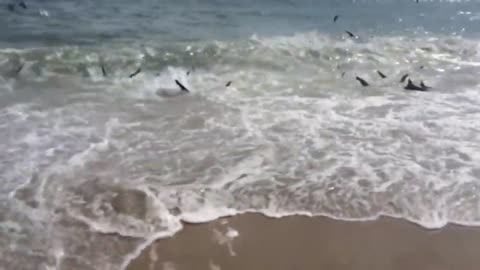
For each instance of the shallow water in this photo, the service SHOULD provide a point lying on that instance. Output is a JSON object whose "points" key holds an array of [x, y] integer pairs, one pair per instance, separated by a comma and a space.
{"points": [[92, 164]]}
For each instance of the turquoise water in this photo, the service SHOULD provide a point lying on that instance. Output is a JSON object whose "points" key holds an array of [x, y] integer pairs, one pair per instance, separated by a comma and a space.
{"points": [[99, 22]]}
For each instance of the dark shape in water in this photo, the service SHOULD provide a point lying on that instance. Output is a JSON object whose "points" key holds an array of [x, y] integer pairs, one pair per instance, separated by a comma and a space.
{"points": [[350, 34], [104, 72], [404, 77], [19, 69], [381, 74], [228, 83], [343, 74], [135, 73], [11, 7], [421, 67], [243, 175], [416, 1], [424, 86], [335, 18], [22, 4], [362, 81], [188, 72], [411, 86], [175, 211], [182, 87]]}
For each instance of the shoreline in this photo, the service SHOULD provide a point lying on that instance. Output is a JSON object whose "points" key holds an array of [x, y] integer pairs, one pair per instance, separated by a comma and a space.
{"points": [[254, 241]]}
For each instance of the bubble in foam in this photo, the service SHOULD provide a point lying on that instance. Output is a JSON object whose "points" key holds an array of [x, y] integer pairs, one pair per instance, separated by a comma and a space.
{"points": [[232, 233]]}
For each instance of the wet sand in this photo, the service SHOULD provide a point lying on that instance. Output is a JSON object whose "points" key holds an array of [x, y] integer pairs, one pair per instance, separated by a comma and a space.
{"points": [[304, 243]]}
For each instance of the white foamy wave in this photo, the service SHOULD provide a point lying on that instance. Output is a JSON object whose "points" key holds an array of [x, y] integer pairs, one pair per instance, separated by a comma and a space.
{"points": [[44, 12], [205, 214]]}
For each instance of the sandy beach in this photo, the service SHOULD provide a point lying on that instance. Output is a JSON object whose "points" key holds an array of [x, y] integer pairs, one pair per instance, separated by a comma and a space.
{"points": [[253, 241]]}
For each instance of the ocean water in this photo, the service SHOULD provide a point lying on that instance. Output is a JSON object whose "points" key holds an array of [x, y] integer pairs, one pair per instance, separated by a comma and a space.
{"points": [[93, 168]]}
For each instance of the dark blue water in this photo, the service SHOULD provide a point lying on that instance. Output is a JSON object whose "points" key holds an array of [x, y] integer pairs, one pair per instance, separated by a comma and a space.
{"points": [[97, 22]]}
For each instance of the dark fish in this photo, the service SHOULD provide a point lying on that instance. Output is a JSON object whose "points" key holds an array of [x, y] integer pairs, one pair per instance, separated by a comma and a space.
{"points": [[22, 4], [362, 81], [182, 87], [11, 7], [104, 72], [411, 86], [228, 83], [381, 74], [335, 18], [422, 85], [404, 77], [188, 72], [243, 175], [19, 69], [343, 74], [416, 1], [135, 73], [350, 34], [421, 67]]}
